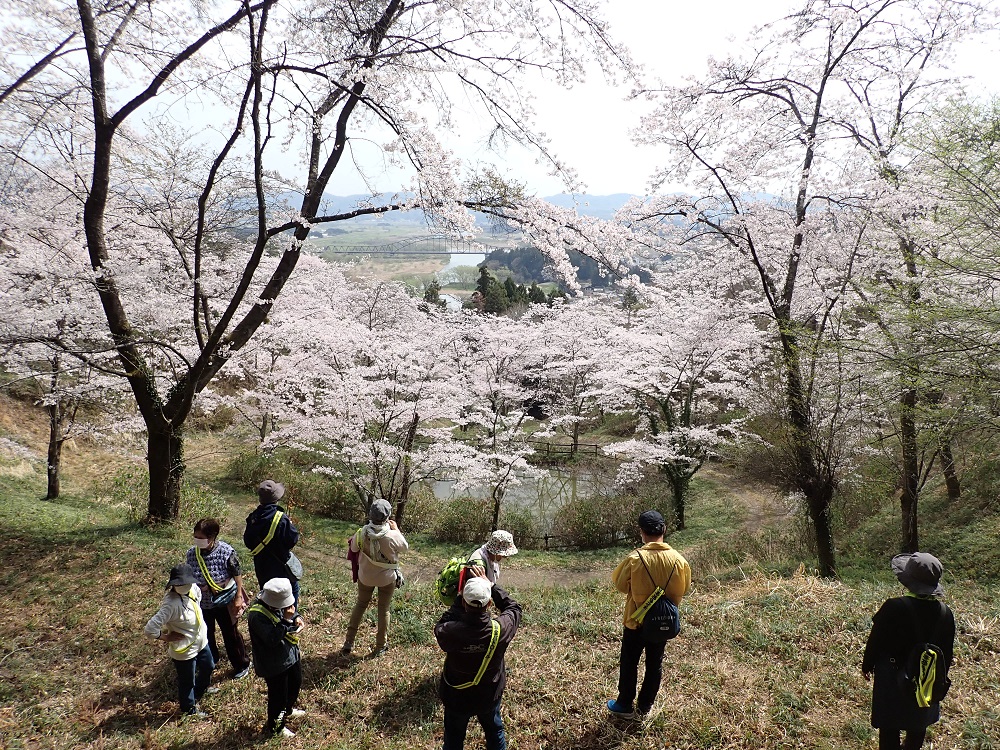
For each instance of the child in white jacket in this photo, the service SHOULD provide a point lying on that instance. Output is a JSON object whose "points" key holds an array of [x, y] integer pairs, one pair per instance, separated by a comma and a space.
{"points": [[180, 623]]}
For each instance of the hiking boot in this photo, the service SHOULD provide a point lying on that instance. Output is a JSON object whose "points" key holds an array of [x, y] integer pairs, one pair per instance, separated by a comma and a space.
{"points": [[346, 649], [617, 709], [643, 711], [195, 713], [242, 673], [379, 650]]}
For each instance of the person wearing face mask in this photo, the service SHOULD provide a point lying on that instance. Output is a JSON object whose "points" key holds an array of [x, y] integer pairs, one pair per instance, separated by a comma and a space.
{"points": [[218, 574], [180, 624]]}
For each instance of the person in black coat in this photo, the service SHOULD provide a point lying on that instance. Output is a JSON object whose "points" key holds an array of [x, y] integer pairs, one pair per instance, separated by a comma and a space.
{"points": [[274, 629], [271, 550], [900, 624], [475, 672]]}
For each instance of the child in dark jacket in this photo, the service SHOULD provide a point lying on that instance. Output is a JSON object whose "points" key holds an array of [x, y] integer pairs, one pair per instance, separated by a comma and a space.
{"points": [[274, 627]]}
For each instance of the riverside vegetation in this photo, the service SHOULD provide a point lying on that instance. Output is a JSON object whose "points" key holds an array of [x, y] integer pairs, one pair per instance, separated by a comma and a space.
{"points": [[768, 657]]}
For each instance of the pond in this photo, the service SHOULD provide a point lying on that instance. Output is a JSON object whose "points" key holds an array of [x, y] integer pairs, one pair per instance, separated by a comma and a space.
{"points": [[542, 495]]}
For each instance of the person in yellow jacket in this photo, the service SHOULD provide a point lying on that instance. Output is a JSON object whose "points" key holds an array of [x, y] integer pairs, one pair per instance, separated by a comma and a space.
{"points": [[667, 569]]}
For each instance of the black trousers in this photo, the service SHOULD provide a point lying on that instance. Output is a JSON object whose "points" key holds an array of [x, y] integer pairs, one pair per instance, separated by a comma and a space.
{"points": [[633, 647], [236, 649], [282, 694], [888, 739]]}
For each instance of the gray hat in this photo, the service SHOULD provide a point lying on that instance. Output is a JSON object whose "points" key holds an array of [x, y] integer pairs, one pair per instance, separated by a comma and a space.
{"points": [[270, 491], [651, 522], [920, 572], [180, 575], [379, 511], [277, 593]]}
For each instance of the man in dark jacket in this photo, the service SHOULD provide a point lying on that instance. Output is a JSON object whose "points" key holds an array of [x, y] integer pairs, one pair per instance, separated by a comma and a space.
{"points": [[270, 537], [475, 673]]}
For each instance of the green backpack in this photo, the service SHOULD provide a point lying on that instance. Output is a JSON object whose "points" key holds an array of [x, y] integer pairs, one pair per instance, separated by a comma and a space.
{"points": [[449, 581]]}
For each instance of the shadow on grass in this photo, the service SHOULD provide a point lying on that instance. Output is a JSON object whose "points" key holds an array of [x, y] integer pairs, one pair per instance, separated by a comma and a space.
{"points": [[604, 735], [412, 704], [137, 710], [327, 671]]}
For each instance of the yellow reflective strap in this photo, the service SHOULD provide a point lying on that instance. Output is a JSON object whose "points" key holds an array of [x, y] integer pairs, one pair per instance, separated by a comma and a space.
{"points": [[205, 574], [494, 640], [261, 609], [640, 614], [270, 534], [197, 610], [925, 678]]}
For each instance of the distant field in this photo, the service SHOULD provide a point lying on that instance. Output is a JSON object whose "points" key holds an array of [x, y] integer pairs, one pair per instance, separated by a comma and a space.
{"points": [[415, 270]]}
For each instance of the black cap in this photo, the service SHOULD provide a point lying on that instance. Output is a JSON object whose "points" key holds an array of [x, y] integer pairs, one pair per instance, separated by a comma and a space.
{"points": [[181, 575], [651, 522]]}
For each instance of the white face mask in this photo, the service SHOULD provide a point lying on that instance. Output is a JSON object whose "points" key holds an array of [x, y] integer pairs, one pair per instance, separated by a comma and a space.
{"points": [[183, 589], [201, 543]]}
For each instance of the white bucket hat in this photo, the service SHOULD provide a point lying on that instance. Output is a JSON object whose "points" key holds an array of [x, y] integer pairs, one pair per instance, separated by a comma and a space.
{"points": [[277, 593]]}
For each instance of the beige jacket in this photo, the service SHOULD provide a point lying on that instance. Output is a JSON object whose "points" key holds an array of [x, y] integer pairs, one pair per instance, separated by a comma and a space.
{"points": [[379, 555], [180, 614]]}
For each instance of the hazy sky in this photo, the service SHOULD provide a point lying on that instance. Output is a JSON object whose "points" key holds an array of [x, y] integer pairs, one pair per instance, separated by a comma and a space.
{"points": [[589, 125]]}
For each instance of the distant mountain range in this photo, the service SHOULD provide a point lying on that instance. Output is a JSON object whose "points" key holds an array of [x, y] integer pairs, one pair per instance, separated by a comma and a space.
{"points": [[598, 206]]}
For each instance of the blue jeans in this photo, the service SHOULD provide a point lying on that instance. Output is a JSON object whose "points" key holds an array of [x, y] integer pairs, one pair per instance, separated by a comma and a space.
{"points": [[456, 723], [193, 677], [633, 647]]}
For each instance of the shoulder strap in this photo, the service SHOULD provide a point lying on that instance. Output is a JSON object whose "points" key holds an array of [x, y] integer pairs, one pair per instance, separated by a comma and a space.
{"points": [[278, 515], [651, 579], [205, 574], [494, 640]]}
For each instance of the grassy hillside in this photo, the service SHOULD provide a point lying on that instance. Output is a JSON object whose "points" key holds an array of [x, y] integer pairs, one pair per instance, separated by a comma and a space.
{"points": [[766, 659]]}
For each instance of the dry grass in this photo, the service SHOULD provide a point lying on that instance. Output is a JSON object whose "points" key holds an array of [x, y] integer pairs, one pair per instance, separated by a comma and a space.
{"points": [[764, 661]]}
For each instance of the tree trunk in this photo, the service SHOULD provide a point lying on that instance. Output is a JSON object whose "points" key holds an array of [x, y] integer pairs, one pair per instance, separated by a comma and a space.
{"points": [[809, 477], [165, 454], [404, 491], [819, 513], [910, 494], [950, 474], [55, 449], [679, 483], [498, 493]]}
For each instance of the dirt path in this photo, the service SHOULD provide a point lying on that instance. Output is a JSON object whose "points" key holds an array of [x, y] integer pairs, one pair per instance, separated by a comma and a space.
{"points": [[765, 506]]}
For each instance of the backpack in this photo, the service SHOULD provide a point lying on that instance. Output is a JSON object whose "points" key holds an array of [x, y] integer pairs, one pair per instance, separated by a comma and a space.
{"points": [[659, 616], [448, 583], [925, 672]]}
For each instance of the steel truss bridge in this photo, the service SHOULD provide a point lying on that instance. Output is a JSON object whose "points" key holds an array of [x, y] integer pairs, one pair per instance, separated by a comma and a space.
{"points": [[437, 244]]}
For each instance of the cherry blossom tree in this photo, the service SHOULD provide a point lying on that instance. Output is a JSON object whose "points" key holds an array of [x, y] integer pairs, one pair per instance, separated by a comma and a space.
{"points": [[274, 76], [777, 149], [684, 364], [574, 343], [494, 358], [48, 305]]}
